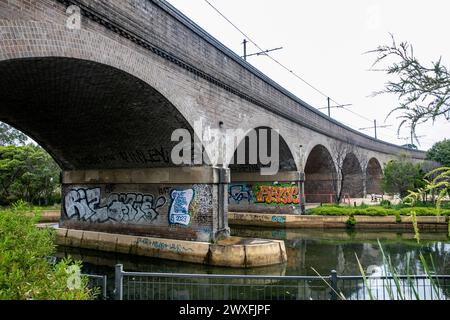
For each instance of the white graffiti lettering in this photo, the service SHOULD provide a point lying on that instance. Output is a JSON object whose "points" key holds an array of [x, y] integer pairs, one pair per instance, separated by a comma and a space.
{"points": [[84, 204]]}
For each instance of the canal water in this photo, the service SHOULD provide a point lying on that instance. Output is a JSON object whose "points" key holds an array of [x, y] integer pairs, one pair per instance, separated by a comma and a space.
{"points": [[323, 250]]}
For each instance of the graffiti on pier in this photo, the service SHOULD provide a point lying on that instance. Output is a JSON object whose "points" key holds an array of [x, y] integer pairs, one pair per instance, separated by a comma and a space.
{"points": [[280, 194], [179, 208], [240, 192], [84, 204], [163, 246], [263, 193]]}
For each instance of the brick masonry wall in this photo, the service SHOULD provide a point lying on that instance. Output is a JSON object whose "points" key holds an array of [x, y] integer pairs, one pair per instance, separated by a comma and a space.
{"points": [[172, 211], [37, 29]]}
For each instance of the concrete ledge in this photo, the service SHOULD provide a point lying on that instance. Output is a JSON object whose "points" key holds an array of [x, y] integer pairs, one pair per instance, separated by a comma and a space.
{"points": [[172, 175], [284, 176], [362, 222], [231, 252]]}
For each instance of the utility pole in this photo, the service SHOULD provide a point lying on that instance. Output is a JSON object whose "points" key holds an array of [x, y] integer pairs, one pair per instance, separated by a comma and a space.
{"points": [[245, 56], [329, 107], [375, 127]]}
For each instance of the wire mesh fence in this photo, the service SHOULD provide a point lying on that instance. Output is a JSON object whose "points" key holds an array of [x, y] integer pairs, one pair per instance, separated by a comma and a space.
{"points": [[171, 286], [100, 282]]}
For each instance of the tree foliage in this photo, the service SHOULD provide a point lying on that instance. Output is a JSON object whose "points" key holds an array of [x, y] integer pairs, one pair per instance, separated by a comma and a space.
{"points": [[440, 152], [25, 270], [11, 136], [400, 176], [28, 173], [423, 92]]}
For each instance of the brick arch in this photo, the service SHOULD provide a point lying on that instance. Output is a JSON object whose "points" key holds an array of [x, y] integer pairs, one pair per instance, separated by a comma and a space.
{"points": [[89, 115], [374, 174], [352, 176], [320, 175], [245, 141]]}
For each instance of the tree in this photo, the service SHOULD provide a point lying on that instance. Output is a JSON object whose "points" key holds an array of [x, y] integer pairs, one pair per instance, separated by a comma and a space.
{"points": [[11, 136], [424, 92], [28, 173], [349, 177], [440, 152], [401, 176]]}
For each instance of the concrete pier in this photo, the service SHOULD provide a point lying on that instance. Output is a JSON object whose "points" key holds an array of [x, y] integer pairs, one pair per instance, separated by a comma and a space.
{"points": [[230, 252]]}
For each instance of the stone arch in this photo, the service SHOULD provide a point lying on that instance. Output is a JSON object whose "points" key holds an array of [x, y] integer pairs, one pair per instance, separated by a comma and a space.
{"points": [[374, 173], [320, 175], [246, 144], [352, 177], [89, 115]]}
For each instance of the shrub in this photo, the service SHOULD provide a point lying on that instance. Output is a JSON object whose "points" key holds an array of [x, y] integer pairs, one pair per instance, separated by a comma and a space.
{"points": [[377, 211], [25, 272], [351, 222], [385, 203]]}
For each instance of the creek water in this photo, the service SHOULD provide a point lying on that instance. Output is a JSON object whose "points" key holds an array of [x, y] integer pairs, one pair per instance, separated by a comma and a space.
{"points": [[323, 250]]}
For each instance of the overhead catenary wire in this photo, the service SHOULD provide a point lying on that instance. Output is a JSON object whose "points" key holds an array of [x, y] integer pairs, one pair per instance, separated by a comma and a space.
{"points": [[281, 64], [296, 75]]}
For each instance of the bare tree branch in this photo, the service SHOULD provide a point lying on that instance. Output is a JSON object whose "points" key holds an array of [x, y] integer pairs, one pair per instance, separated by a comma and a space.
{"points": [[423, 92]]}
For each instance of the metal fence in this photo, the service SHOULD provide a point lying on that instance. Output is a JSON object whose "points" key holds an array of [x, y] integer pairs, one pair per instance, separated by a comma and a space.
{"points": [[98, 281], [172, 286]]}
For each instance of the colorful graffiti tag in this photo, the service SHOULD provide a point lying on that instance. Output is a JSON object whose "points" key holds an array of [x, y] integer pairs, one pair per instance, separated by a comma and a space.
{"points": [[240, 192], [280, 194], [264, 193], [179, 209]]}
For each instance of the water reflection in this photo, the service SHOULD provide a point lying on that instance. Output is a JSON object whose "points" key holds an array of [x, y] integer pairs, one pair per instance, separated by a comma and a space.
{"points": [[336, 249], [324, 250]]}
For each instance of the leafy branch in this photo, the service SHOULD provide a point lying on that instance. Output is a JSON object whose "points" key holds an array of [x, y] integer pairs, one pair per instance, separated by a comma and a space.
{"points": [[423, 92]]}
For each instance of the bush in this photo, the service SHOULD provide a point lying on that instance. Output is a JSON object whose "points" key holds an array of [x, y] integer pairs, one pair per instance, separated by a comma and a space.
{"points": [[351, 222], [377, 211], [25, 272], [385, 203]]}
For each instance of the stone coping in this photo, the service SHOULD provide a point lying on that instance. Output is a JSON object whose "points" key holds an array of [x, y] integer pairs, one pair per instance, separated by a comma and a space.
{"points": [[312, 221], [170, 175], [230, 252]]}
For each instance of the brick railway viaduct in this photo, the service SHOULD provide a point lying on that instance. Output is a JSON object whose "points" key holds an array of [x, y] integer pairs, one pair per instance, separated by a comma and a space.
{"points": [[104, 99]]}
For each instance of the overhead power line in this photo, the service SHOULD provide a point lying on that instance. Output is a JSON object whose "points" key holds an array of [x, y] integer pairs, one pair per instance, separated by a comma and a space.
{"points": [[284, 66], [259, 48]]}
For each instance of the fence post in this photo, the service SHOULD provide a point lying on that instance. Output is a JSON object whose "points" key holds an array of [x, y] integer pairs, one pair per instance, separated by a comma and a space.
{"points": [[118, 280], [105, 284], [334, 284]]}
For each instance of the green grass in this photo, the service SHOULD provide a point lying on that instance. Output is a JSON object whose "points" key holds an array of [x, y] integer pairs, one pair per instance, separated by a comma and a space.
{"points": [[33, 208], [376, 211]]}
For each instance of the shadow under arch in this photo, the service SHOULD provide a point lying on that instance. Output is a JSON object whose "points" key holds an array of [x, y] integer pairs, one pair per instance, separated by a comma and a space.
{"points": [[352, 176], [374, 174], [250, 144], [320, 176], [89, 115]]}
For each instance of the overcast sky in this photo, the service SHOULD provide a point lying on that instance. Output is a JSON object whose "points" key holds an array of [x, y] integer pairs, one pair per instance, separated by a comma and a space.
{"points": [[324, 40]]}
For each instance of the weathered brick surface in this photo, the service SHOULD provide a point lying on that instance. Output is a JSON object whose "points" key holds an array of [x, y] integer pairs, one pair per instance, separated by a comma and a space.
{"points": [[98, 98]]}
